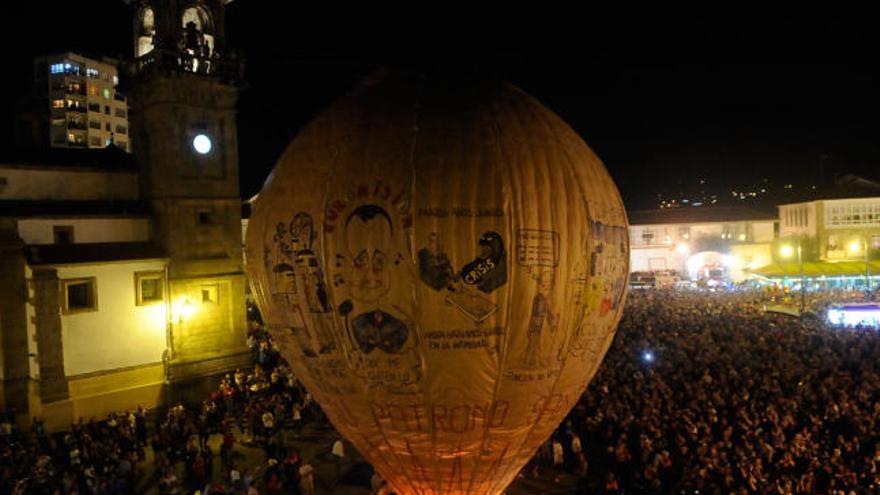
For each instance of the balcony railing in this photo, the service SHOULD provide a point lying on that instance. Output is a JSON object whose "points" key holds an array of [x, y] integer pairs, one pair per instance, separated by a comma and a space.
{"points": [[215, 66]]}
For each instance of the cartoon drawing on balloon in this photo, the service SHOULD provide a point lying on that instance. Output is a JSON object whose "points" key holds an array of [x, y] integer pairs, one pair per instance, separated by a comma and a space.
{"points": [[308, 266], [598, 292], [485, 273], [608, 262], [367, 238], [435, 269], [310, 279], [540, 316], [381, 344], [284, 285], [278, 263], [488, 271], [379, 330], [580, 305]]}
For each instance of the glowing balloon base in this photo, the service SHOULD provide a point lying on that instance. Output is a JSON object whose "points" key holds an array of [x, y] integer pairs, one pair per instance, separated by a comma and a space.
{"points": [[443, 265]]}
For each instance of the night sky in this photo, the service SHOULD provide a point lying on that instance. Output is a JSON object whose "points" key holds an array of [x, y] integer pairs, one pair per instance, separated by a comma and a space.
{"points": [[664, 101]]}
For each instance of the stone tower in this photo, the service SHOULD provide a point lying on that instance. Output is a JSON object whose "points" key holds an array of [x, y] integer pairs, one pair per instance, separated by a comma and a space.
{"points": [[183, 90]]}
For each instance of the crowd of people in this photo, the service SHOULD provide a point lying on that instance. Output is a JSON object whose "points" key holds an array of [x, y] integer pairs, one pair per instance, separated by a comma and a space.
{"points": [[700, 393], [707, 393], [98, 457], [102, 457]]}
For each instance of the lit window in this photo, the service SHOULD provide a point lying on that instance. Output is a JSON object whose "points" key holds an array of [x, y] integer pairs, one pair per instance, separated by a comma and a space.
{"points": [[93, 90], [57, 68], [149, 287], [106, 94], [92, 72], [115, 80], [80, 295], [57, 103], [71, 138]]}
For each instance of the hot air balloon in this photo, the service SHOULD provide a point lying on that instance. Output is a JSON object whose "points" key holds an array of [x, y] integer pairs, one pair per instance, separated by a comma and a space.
{"points": [[443, 262]]}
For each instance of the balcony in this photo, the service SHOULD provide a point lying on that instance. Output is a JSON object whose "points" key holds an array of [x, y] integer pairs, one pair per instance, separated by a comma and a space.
{"points": [[231, 71], [63, 88], [76, 125]]}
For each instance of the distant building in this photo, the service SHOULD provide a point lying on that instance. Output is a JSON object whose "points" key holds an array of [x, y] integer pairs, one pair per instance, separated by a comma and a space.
{"points": [[697, 242], [82, 102], [841, 229]]}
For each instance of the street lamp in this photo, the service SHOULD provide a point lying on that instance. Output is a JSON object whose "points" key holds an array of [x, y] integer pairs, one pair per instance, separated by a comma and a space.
{"points": [[854, 247], [786, 251]]}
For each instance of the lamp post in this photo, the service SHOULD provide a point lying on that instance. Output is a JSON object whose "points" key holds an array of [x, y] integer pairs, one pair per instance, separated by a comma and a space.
{"points": [[786, 251]]}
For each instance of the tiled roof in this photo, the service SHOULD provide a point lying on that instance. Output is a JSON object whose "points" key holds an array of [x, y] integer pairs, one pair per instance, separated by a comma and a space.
{"points": [[698, 214]]}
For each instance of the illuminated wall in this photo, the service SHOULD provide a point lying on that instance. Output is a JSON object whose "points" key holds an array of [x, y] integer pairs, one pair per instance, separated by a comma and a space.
{"points": [[798, 219], [670, 246], [749, 256], [119, 334]]}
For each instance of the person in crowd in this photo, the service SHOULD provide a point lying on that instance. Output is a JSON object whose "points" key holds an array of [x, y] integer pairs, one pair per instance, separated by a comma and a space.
{"points": [[734, 400]]}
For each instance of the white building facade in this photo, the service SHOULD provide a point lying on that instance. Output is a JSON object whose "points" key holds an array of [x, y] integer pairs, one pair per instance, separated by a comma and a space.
{"points": [[83, 310], [841, 229], [684, 240]]}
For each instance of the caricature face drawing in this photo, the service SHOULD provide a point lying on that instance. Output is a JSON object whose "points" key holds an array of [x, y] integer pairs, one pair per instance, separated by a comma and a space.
{"points": [[368, 241], [301, 231]]}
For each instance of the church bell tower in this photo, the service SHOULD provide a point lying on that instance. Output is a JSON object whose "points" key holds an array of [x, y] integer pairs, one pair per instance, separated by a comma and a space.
{"points": [[184, 85]]}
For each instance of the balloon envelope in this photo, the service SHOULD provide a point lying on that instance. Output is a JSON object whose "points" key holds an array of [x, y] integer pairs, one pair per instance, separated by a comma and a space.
{"points": [[443, 264]]}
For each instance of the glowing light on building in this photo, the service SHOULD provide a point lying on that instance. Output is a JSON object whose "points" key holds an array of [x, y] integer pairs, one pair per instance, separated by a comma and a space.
{"points": [[855, 314], [184, 309], [786, 251]]}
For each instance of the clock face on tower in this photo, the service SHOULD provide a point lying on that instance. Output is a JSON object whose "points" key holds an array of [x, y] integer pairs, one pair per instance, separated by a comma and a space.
{"points": [[203, 159], [202, 144]]}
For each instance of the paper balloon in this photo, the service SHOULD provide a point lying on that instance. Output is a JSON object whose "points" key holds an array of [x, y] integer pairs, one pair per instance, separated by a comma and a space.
{"points": [[443, 263]]}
